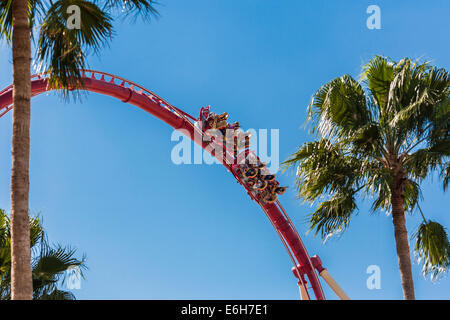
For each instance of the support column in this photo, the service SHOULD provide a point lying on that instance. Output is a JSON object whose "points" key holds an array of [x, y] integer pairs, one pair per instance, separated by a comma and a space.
{"points": [[333, 285]]}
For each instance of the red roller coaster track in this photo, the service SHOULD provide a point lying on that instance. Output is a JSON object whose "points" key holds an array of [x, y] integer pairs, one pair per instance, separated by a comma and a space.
{"points": [[136, 95]]}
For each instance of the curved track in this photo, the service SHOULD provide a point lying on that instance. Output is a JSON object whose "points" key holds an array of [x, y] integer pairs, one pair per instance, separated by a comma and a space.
{"points": [[136, 95]]}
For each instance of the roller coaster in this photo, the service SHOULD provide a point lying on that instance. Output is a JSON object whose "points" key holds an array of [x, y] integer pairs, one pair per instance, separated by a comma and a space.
{"points": [[305, 268]]}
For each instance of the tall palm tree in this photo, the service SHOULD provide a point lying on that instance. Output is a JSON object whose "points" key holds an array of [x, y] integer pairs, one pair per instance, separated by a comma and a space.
{"points": [[49, 263], [381, 136], [62, 52]]}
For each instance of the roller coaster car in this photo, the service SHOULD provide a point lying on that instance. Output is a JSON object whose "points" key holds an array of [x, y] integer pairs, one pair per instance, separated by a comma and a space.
{"points": [[240, 171], [221, 124], [218, 121], [271, 198], [280, 190], [268, 197], [247, 171], [274, 187], [273, 184], [260, 165], [235, 126], [260, 185], [266, 175], [230, 131], [213, 123], [250, 183], [222, 117], [269, 177], [250, 172]]}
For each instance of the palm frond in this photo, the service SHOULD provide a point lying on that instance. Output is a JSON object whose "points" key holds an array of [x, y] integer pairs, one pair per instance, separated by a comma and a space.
{"points": [[53, 262], [366, 140], [423, 105], [62, 52], [339, 108], [135, 8], [379, 185], [432, 248], [378, 74], [333, 216], [423, 161], [323, 168]]}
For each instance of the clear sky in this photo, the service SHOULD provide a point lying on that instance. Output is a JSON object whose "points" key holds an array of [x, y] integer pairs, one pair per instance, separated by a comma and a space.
{"points": [[103, 180]]}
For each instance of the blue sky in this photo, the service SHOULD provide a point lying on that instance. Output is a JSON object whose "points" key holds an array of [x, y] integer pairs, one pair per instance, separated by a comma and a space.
{"points": [[103, 181]]}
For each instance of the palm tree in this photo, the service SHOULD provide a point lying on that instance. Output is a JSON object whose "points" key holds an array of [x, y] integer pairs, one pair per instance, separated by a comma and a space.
{"points": [[49, 263], [381, 136], [62, 52]]}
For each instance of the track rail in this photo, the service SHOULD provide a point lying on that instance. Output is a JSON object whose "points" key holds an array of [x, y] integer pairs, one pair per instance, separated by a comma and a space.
{"points": [[134, 94]]}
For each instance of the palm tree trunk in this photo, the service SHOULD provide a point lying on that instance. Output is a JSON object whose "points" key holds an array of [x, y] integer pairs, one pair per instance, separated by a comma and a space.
{"points": [[21, 280], [401, 241]]}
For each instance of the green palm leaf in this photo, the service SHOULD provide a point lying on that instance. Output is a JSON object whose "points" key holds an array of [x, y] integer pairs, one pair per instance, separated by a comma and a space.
{"points": [[136, 8], [62, 51], [432, 248], [333, 216]]}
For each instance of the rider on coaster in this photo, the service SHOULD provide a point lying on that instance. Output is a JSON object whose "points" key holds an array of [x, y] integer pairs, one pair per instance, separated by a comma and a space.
{"points": [[203, 117]]}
